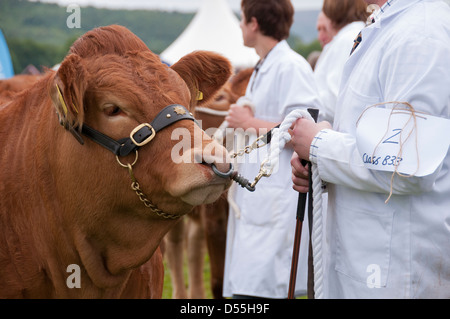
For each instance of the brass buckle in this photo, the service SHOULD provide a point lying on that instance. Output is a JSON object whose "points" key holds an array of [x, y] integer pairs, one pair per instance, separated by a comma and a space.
{"points": [[146, 141]]}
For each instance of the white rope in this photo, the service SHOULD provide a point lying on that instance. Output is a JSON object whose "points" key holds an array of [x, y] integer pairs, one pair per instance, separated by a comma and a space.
{"points": [[280, 137], [317, 232]]}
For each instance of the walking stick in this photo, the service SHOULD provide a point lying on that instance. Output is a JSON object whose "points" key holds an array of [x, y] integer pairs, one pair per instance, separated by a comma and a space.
{"points": [[301, 205]]}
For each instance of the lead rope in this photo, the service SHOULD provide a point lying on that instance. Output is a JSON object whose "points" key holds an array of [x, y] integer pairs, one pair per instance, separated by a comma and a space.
{"points": [[280, 137], [317, 232]]}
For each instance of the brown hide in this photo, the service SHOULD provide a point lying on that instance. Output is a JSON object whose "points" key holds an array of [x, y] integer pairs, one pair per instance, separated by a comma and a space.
{"points": [[10, 87], [64, 203]]}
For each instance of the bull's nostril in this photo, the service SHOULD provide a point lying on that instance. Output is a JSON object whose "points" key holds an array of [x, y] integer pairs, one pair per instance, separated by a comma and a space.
{"points": [[205, 163]]}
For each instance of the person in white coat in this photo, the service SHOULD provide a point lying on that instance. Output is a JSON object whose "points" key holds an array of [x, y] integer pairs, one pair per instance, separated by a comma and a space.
{"points": [[347, 18], [389, 233], [260, 238]]}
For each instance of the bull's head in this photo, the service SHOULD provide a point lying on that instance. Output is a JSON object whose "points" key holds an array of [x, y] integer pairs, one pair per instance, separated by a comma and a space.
{"points": [[112, 83]]}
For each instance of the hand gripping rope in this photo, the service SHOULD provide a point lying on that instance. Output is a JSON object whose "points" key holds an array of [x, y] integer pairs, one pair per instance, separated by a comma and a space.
{"points": [[278, 137]]}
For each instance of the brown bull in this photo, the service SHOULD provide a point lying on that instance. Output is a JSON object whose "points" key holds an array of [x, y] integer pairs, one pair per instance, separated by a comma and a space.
{"points": [[66, 206]]}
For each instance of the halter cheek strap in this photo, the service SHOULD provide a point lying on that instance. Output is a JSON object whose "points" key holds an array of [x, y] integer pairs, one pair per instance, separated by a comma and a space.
{"points": [[142, 134]]}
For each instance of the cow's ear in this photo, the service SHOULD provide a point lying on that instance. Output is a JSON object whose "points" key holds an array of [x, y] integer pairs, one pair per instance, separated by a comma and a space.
{"points": [[204, 73], [68, 90], [239, 82]]}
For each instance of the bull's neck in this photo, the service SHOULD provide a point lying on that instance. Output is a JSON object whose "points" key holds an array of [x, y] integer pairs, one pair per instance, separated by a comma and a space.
{"points": [[34, 233], [109, 264], [24, 160]]}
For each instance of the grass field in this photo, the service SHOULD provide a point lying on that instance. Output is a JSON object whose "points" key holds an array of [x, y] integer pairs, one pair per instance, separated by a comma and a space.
{"points": [[167, 290]]}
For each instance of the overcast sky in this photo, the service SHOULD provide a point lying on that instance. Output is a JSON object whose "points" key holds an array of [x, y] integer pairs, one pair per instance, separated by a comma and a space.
{"points": [[179, 5]]}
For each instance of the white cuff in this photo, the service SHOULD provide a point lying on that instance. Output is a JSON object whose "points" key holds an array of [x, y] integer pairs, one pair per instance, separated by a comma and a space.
{"points": [[314, 148]]}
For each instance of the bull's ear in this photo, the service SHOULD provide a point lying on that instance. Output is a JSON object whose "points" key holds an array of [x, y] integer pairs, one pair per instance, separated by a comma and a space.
{"points": [[239, 82], [67, 91], [204, 73]]}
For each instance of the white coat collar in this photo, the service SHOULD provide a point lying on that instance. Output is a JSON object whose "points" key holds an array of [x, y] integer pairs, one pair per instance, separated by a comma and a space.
{"points": [[381, 20], [357, 25], [272, 55], [390, 10]]}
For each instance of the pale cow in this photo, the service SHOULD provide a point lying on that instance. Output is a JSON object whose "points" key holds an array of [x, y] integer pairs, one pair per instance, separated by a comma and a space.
{"points": [[206, 226]]}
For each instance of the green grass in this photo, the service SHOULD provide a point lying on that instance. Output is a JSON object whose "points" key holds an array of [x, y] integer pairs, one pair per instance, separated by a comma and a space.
{"points": [[167, 290]]}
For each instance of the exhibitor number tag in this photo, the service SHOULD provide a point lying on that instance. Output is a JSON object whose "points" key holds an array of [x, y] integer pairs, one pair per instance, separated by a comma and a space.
{"points": [[402, 140]]}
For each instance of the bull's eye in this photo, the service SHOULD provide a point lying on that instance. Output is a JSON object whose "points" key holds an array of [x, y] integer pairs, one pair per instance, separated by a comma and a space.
{"points": [[112, 110], [220, 97]]}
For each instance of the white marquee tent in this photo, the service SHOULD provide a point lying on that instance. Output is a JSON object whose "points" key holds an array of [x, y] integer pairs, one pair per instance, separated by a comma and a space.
{"points": [[213, 28]]}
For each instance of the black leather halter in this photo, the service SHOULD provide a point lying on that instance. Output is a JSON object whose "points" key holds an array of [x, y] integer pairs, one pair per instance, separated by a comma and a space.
{"points": [[141, 135]]}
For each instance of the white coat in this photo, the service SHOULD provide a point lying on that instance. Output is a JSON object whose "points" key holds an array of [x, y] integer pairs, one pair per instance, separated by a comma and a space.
{"points": [[260, 240], [330, 66], [400, 249], [328, 74]]}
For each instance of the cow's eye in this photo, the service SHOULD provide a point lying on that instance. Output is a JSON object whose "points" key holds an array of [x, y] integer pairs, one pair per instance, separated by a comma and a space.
{"points": [[220, 98], [112, 110]]}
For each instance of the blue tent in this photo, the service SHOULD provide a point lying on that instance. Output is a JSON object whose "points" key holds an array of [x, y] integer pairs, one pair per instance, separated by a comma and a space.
{"points": [[6, 67]]}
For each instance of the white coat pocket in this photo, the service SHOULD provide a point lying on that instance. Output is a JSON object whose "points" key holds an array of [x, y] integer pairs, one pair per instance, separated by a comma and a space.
{"points": [[354, 102], [364, 244]]}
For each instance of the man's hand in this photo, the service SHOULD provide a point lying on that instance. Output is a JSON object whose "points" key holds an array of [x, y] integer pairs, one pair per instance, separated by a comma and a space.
{"points": [[303, 134], [300, 175], [239, 116]]}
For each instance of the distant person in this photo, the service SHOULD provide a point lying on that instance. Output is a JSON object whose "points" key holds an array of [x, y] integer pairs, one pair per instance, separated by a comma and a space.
{"points": [[347, 19], [325, 29], [260, 238]]}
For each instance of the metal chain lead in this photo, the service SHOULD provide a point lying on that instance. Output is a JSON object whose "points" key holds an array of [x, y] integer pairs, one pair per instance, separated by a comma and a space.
{"points": [[143, 198], [258, 143], [243, 182]]}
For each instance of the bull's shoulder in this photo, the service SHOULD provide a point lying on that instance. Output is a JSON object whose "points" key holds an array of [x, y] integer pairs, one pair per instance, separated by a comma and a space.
{"points": [[21, 275]]}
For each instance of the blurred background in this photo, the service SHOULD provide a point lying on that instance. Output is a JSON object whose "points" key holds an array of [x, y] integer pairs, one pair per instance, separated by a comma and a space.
{"points": [[37, 34]]}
